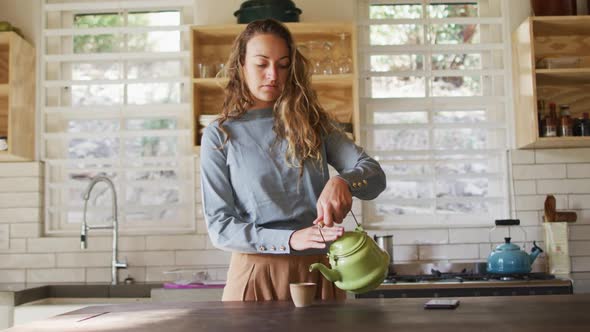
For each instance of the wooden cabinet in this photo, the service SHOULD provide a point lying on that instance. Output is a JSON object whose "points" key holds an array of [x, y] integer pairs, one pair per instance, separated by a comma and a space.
{"points": [[17, 97], [211, 46], [555, 39]]}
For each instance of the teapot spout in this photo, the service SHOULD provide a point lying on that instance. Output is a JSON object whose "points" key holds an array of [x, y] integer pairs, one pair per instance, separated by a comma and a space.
{"points": [[535, 252], [330, 274]]}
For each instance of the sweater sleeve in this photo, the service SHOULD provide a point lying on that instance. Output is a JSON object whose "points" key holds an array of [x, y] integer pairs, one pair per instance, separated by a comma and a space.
{"points": [[226, 229], [364, 175]]}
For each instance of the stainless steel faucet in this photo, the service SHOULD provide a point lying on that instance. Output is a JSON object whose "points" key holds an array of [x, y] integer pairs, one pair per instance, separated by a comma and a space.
{"points": [[115, 264]]}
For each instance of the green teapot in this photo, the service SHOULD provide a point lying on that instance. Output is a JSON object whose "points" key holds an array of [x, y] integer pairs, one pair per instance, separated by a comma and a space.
{"points": [[358, 264]]}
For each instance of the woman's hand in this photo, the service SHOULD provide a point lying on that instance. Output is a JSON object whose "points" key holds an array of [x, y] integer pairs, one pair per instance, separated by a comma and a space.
{"points": [[310, 237], [334, 202]]}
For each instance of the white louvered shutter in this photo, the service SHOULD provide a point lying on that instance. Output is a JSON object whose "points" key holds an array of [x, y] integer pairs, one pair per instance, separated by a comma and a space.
{"points": [[115, 85], [434, 90]]}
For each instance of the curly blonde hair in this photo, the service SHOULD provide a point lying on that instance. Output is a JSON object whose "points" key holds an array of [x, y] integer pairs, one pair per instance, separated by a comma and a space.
{"points": [[298, 116]]}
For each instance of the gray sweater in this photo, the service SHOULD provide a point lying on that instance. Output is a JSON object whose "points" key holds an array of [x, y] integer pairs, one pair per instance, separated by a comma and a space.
{"points": [[252, 201]]}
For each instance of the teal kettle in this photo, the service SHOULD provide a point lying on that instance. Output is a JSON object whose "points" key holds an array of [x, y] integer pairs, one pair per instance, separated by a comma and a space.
{"points": [[508, 258]]}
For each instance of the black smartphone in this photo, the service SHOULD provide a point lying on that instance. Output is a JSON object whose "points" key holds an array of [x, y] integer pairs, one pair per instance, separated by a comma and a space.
{"points": [[441, 304]]}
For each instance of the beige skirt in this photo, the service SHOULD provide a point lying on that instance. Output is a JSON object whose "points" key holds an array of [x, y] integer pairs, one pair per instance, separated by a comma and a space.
{"points": [[259, 277]]}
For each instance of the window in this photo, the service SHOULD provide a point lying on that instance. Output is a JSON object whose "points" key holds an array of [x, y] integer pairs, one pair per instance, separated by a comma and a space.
{"points": [[115, 102], [433, 91]]}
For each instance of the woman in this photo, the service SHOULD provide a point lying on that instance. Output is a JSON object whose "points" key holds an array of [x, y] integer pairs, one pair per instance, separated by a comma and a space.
{"points": [[264, 170]]}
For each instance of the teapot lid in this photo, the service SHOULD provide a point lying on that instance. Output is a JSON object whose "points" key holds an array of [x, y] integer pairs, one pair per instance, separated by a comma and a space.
{"points": [[349, 243], [507, 246]]}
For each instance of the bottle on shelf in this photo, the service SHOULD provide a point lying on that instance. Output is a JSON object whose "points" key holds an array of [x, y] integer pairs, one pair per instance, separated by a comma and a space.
{"points": [[566, 128], [550, 129], [577, 126], [585, 125], [540, 116]]}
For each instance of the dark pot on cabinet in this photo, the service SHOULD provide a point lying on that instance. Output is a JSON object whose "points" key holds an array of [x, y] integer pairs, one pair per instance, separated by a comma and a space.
{"points": [[554, 7], [281, 10]]}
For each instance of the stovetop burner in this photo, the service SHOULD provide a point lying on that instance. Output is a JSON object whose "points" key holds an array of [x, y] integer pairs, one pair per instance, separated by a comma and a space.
{"points": [[464, 275], [446, 279]]}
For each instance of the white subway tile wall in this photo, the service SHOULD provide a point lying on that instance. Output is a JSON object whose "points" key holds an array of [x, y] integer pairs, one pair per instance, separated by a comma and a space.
{"points": [[28, 256], [55, 275], [214, 258], [579, 202], [17, 246], [581, 264], [562, 156], [529, 218], [25, 230], [405, 253], [100, 274], [4, 237], [449, 252], [12, 276], [564, 173], [522, 172], [579, 248], [578, 171], [523, 157], [525, 187]]}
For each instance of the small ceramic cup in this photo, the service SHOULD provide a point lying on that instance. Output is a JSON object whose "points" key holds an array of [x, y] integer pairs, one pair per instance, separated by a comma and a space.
{"points": [[302, 293]]}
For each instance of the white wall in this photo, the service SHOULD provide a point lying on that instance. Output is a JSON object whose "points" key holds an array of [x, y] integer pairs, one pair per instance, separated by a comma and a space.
{"points": [[22, 14], [519, 11], [25, 255]]}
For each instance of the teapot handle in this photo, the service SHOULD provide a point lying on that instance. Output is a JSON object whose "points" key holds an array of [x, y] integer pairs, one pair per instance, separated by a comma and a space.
{"points": [[507, 222], [536, 247], [320, 226]]}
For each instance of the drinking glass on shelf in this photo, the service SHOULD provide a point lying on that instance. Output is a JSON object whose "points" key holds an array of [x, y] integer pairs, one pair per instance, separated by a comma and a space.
{"points": [[219, 70], [302, 47], [343, 60], [205, 70], [327, 64], [314, 48]]}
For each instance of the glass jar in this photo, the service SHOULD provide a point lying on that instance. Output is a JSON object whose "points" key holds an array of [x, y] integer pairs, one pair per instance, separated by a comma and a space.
{"points": [[551, 122], [566, 125]]}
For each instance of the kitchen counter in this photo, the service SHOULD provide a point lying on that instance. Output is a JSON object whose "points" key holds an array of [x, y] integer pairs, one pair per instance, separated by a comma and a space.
{"points": [[525, 313], [17, 294], [13, 295]]}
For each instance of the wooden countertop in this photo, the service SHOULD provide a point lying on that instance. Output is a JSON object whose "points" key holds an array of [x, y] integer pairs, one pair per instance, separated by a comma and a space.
{"points": [[522, 313]]}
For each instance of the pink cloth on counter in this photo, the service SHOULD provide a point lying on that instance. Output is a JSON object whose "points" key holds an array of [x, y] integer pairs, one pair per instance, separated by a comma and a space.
{"points": [[170, 285]]}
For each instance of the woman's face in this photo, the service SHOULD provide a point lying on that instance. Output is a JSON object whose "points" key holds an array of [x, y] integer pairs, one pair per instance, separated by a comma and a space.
{"points": [[266, 66]]}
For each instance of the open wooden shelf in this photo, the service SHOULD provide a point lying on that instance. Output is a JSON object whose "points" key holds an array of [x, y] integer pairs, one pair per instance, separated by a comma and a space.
{"points": [[561, 25], [562, 142], [212, 44], [337, 80], [537, 39], [17, 97], [4, 56], [3, 110], [565, 76], [335, 94]]}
